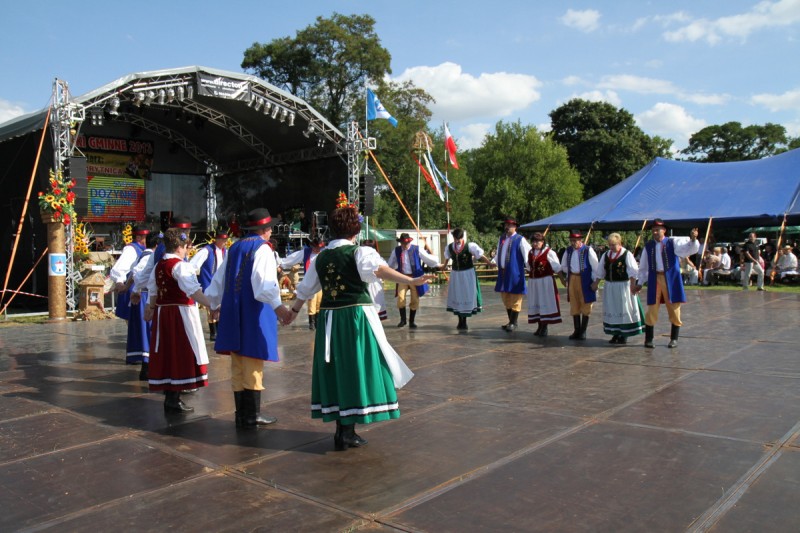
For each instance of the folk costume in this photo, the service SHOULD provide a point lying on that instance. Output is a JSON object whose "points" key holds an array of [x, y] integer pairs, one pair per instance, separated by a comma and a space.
{"points": [[355, 369], [206, 262], [623, 315], [660, 269], [544, 306], [178, 357], [578, 267], [142, 277], [137, 349], [409, 261], [245, 290], [512, 254], [304, 256], [463, 290], [122, 272]]}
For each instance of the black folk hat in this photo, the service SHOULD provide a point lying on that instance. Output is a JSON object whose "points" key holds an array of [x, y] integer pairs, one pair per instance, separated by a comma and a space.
{"points": [[181, 222], [404, 237], [575, 234], [658, 223], [141, 230], [259, 218], [219, 234], [511, 221]]}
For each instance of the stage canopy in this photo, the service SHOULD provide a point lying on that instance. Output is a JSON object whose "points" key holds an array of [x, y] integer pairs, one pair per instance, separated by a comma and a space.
{"points": [[227, 121], [746, 193]]}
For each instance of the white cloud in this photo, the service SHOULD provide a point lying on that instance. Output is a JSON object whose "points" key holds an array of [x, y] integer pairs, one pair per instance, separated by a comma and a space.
{"points": [[472, 135], [637, 84], [778, 102], [586, 21], [601, 96], [572, 80], [462, 96], [9, 110], [670, 121], [706, 99], [763, 15]]}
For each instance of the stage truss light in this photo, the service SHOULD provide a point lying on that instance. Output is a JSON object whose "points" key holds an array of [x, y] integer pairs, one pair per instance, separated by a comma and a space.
{"points": [[149, 97], [284, 114], [113, 106], [162, 96], [275, 111], [308, 131], [170, 95], [181, 93], [96, 116], [259, 101], [267, 106], [190, 92], [138, 98], [291, 119]]}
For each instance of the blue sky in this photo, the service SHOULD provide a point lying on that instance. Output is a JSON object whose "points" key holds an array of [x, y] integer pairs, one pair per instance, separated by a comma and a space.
{"points": [[678, 66]]}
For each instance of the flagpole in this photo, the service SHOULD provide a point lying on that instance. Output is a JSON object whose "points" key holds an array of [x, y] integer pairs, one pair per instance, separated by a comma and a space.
{"points": [[446, 188], [419, 175]]}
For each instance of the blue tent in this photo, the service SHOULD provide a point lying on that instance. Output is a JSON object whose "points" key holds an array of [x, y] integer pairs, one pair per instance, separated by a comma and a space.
{"points": [[687, 194]]}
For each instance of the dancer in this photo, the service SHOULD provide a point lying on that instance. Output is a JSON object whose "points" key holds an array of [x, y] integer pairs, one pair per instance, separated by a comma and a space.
{"points": [[463, 290], [544, 306], [623, 316]]}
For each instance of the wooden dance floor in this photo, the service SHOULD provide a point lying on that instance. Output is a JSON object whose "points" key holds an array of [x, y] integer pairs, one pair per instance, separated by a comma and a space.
{"points": [[499, 432]]}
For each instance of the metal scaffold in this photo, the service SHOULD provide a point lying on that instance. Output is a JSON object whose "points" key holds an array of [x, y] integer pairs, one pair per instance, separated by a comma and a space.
{"points": [[357, 146]]}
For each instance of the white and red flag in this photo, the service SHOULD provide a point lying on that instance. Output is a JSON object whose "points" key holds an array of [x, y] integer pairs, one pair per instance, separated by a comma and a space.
{"points": [[450, 144]]}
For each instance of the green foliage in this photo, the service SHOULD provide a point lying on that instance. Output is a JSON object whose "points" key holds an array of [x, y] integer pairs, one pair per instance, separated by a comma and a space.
{"points": [[518, 172], [328, 64], [732, 142], [604, 143]]}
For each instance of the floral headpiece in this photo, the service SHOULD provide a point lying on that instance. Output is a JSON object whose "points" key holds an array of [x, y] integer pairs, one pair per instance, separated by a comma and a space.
{"points": [[343, 202]]}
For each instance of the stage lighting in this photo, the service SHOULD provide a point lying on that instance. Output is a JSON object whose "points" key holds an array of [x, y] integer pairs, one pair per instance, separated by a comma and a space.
{"points": [[284, 114], [190, 92], [162, 96], [259, 101], [170, 94], [308, 131], [291, 119], [138, 98], [149, 97], [113, 106], [267, 106], [275, 111], [97, 117], [181, 93], [251, 101]]}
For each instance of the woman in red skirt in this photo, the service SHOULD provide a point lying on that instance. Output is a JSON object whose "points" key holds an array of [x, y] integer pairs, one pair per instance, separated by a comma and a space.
{"points": [[178, 356]]}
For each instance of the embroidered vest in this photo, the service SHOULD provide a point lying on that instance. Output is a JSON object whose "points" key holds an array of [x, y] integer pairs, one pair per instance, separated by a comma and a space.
{"points": [[169, 292], [461, 260], [416, 265], [338, 275], [672, 272], [589, 295], [540, 266], [209, 266], [511, 277], [616, 270]]}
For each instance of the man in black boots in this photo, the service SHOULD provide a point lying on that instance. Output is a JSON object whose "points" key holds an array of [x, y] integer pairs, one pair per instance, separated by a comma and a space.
{"points": [[249, 312], [407, 259], [206, 261], [512, 254], [577, 266], [660, 267], [304, 256]]}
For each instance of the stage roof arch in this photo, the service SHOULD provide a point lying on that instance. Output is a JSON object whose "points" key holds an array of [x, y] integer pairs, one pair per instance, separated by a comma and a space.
{"points": [[228, 121], [746, 193]]}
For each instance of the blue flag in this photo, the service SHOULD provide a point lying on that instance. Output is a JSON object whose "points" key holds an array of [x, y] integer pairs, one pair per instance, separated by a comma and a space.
{"points": [[375, 109]]}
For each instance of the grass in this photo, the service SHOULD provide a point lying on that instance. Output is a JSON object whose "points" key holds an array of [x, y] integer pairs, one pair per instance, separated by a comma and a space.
{"points": [[11, 320]]}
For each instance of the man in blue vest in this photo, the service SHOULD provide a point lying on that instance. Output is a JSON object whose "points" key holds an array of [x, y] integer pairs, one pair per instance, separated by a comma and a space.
{"points": [[206, 262], [577, 265], [304, 256], [407, 259], [512, 254], [121, 272], [245, 295], [660, 267]]}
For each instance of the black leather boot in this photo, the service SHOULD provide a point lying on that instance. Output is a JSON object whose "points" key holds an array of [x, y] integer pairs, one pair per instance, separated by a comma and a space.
{"points": [[402, 317], [461, 323], [251, 410], [543, 333], [143, 373], [512, 325], [584, 325], [212, 331], [311, 324], [464, 327], [173, 403], [505, 326], [576, 322], [411, 316], [648, 337], [622, 340], [673, 336], [346, 437], [237, 400], [315, 320]]}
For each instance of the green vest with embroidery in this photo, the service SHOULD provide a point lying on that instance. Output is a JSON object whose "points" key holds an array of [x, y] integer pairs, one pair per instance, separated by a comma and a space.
{"points": [[338, 275], [461, 260]]}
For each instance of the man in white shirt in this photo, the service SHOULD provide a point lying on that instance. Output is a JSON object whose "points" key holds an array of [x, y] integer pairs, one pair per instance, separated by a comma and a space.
{"points": [[304, 256], [512, 255], [787, 263], [407, 259], [121, 271], [578, 266]]}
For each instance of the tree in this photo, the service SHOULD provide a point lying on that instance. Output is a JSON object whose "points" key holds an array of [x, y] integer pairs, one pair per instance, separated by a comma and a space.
{"points": [[604, 143], [732, 142], [520, 173], [327, 64]]}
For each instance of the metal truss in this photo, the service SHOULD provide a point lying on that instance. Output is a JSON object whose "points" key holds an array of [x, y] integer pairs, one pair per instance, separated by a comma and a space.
{"points": [[159, 129], [356, 145]]}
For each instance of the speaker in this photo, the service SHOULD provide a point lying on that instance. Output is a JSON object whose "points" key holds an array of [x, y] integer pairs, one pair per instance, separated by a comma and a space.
{"points": [[366, 195], [76, 168], [166, 220]]}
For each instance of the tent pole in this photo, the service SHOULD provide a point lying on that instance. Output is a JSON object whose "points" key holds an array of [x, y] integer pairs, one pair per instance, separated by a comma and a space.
{"points": [[25, 205], [703, 251], [546, 230], [777, 251], [639, 237]]}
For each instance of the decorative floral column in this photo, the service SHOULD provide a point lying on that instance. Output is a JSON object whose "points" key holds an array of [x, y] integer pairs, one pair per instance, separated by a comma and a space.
{"points": [[57, 268]]}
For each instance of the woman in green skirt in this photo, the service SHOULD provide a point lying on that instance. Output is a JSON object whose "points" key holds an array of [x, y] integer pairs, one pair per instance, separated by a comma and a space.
{"points": [[355, 370]]}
